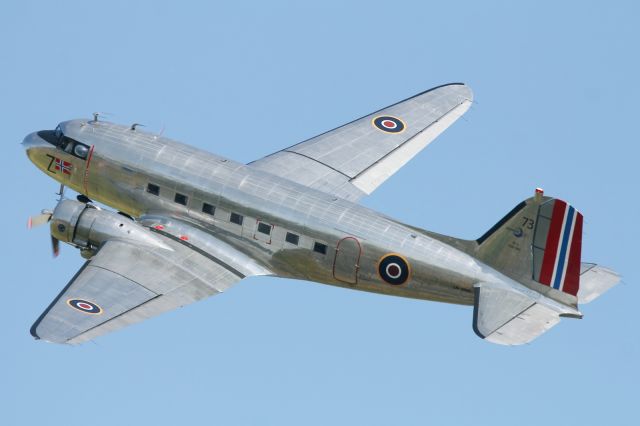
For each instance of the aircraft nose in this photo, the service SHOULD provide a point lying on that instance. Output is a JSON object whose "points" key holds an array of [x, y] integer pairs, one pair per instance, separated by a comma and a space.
{"points": [[36, 146]]}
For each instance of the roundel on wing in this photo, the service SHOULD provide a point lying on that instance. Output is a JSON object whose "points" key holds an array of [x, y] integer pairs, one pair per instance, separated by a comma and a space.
{"points": [[85, 306], [389, 124], [394, 269]]}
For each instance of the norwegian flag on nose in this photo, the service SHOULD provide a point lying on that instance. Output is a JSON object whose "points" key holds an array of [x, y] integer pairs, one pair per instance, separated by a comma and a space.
{"points": [[63, 166]]}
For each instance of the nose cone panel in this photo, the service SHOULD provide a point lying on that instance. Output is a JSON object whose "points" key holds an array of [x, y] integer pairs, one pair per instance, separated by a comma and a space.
{"points": [[33, 141], [37, 149]]}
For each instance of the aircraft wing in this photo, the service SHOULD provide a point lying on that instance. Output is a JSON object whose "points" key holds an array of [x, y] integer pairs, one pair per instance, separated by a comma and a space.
{"points": [[125, 282], [353, 160]]}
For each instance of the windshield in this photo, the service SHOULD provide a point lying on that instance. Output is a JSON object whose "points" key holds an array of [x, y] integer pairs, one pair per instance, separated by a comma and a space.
{"points": [[54, 137], [58, 139]]}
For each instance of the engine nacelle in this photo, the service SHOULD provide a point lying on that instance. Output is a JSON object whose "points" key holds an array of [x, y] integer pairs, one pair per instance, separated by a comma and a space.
{"points": [[85, 226]]}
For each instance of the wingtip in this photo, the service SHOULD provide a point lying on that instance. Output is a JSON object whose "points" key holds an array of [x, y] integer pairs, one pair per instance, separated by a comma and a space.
{"points": [[33, 332], [468, 95]]}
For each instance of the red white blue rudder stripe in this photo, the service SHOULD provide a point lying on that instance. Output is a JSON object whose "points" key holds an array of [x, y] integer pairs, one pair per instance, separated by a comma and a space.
{"points": [[557, 246]]}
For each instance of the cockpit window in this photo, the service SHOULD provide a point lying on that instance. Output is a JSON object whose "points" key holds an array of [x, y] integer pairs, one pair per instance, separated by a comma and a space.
{"points": [[80, 150], [71, 146], [65, 143], [74, 147], [50, 136]]}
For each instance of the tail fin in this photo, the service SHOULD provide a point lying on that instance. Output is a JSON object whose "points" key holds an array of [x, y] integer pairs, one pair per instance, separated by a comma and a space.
{"points": [[538, 243]]}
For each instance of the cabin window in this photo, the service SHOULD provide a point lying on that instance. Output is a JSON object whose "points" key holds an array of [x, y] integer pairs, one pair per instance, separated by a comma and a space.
{"points": [[264, 228], [208, 209], [153, 189], [180, 199], [320, 248], [292, 238], [236, 218]]}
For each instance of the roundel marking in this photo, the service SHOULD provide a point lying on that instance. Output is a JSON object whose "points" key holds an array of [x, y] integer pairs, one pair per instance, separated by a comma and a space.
{"points": [[389, 124], [85, 306], [394, 269]]}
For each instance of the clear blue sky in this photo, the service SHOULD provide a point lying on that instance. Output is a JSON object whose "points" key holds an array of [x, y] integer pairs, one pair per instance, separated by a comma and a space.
{"points": [[557, 95]]}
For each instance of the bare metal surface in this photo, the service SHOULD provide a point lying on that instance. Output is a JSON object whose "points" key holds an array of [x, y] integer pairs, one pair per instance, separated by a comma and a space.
{"points": [[353, 160], [176, 254]]}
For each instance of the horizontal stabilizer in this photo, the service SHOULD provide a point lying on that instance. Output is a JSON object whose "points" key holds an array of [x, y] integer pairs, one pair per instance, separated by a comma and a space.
{"points": [[507, 317], [594, 281]]}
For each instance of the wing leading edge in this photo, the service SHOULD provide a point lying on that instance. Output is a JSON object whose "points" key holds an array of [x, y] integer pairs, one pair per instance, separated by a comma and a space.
{"points": [[353, 160]]}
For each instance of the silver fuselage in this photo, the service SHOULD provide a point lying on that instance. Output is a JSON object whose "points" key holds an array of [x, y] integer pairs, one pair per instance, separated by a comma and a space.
{"points": [[123, 162]]}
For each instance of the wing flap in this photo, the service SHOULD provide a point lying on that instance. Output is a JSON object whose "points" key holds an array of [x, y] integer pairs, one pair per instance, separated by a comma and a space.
{"points": [[161, 271]]}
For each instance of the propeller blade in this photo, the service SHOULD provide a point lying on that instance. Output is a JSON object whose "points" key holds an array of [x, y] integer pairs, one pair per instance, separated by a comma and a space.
{"points": [[55, 246], [40, 219]]}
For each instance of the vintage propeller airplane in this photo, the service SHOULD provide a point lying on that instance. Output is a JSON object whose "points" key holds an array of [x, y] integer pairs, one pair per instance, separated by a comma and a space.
{"points": [[191, 224]]}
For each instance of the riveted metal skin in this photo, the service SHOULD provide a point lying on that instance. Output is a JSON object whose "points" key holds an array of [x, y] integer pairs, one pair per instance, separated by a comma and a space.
{"points": [[85, 226], [125, 162], [196, 225]]}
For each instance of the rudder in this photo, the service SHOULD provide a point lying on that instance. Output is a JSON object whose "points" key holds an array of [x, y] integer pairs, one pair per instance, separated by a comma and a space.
{"points": [[557, 246]]}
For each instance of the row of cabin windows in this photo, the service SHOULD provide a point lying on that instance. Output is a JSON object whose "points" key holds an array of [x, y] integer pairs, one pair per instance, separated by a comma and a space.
{"points": [[236, 218], [183, 199]]}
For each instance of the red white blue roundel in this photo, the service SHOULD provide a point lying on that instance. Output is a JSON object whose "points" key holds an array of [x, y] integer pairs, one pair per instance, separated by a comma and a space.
{"points": [[85, 306], [394, 269], [389, 124]]}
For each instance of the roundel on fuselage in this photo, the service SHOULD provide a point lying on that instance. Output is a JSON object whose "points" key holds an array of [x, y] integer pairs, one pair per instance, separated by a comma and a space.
{"points": [[394, 269]]}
